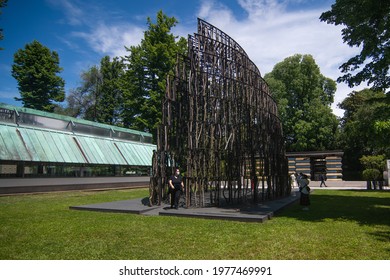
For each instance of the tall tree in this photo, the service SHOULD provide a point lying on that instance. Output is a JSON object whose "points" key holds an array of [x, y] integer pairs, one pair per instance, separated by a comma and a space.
{"points": [[110, 104], [36, 68], [366, 25], [81, 101], [364, 111], [304, 97], [148, 65], [99, 97]]}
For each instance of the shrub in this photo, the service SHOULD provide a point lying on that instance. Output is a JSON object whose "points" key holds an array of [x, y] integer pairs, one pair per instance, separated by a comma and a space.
{"points": [[371, 174]]}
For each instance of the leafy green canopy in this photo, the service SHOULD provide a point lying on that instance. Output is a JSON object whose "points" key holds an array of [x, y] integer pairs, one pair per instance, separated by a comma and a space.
{"points": [[374, 167], [304, 97], [364, 129], [81, 101], [366, 25], [35, 68], [148, 65], [128, 91], [374, 162], [110, 103], [99, 97]]}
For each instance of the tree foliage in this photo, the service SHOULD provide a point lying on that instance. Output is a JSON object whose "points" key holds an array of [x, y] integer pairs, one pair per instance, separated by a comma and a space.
{"points": [[366, 114], [304, 97], [373, 169], [35, 68], [3, 3], [382, 131], [109, 105], [99, 97], [128, 91], [366, 25], [148, 65], [82, 101], [363, 127], [374, 162]]}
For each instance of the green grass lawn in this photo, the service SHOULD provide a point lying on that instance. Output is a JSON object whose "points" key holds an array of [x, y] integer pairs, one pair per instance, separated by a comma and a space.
{"points": [[339, 225]]}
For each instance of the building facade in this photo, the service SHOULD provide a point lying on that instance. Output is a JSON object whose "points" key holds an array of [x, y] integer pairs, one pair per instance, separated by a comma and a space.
{"points": [[39, 144], [315, 164]]}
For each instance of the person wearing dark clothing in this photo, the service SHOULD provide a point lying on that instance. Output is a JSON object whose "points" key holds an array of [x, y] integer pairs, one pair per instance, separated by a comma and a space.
{"points": [[322, 178], [175, 187]]}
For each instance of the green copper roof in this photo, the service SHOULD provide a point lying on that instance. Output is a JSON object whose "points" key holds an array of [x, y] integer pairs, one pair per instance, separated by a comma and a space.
{"points": [[39, 145], [36, 118], [26, 136]]}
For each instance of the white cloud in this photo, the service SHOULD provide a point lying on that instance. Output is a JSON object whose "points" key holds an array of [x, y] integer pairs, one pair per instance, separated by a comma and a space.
{"points": [[93, 28], [217, 11], [271, 32], [74, 14], [256, 8], [111, 40]]}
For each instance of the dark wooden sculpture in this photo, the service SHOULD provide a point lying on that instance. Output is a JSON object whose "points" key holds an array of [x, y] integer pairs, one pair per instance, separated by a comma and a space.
{"points": [[220, 126]]}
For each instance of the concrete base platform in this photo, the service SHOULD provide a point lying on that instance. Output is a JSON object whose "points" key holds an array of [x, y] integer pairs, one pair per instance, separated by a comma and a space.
{"points": [[246, 213], [260, 212]]}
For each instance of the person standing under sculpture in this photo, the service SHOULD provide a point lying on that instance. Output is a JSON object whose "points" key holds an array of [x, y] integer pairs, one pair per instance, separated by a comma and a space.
{"points": [[175, 186]]}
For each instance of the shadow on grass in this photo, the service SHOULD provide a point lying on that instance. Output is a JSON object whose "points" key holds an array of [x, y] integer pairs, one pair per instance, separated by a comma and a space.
{"points": [[382, 236], [363, 207]]}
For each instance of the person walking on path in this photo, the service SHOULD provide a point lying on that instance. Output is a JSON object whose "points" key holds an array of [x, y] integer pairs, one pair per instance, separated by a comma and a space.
{"points": [[322, 178], [175, 186], [305, 191]]}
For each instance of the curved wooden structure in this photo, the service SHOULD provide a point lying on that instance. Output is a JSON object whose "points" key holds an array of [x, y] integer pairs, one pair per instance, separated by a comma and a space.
{"points": [[220, 126]]}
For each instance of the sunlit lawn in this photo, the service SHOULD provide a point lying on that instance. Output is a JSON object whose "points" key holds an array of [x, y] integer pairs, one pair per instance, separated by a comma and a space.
{"points": [[339, 225]]}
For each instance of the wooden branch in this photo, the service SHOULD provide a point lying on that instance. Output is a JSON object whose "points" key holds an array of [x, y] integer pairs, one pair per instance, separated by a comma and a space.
{"points": [[221, 125]]}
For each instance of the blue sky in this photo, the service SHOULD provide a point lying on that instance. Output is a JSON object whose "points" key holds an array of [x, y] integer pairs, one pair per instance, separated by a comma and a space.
{"points": [[83, 31]]}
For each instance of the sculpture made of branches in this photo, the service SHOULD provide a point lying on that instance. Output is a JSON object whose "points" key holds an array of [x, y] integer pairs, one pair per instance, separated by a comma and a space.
{"points": [[220, 125]]}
